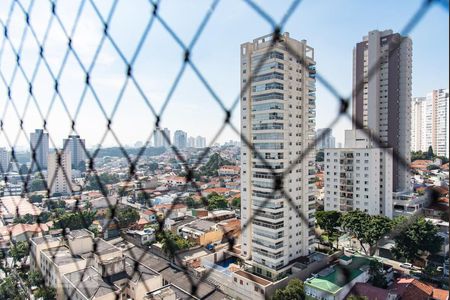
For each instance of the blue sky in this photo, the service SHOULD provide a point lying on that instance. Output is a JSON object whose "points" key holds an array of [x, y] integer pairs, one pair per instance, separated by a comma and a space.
{"points": [[331, 27]]}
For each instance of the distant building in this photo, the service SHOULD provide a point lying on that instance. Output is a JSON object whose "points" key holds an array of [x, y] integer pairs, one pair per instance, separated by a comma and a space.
{"points": [[60, 172], [77, 148], [4, 160], [39, 149], [161, 138], [327, 140], [429, 122], [200, 142], [358, 177], [180, 139], [191, 142], [381, 100]]}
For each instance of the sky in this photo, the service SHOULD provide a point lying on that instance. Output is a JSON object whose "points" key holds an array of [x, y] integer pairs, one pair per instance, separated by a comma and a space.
{"points": [[332, 28]]}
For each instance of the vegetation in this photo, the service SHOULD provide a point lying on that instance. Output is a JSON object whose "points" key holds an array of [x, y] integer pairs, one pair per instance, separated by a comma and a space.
{"points": [[293, 291], [127, 216], [46, 293], [19, 250], [416, 155], [216, 201], [418, 238], [171, 243], [366, 229], [191, 203], [38, 184], [23, 170], [76, 220], [376, 274], [320, 156], [215, 161], [236, 203], [9, 290], [36, 198], [329, 221], [357, 297], [93, 182], [35, 278]]}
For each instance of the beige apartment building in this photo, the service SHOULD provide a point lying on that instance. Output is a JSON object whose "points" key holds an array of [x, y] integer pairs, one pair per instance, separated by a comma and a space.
{"points": [[278, 119]]}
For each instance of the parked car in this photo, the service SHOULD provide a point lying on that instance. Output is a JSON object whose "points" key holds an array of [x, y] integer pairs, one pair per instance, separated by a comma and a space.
{"points": [[406, 266]]}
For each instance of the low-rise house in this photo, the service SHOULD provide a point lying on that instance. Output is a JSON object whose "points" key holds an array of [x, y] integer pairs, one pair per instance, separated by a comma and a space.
{"points": [[102, 205], [218, 190], [228, 170], [22, 232], [201, 232], [334, 283], [150, 215], [11, 206], [171, 210], [141, 237]]}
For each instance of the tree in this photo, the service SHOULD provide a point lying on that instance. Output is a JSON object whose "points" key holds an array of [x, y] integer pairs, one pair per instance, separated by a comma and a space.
{"points": [[329, 221], [376, 274], [430, 154], [420, 236], [191, 203], [236, 202], [216, 201], [9, 290], [36, 198], [46, 293], [319, 156], [44, 217], [76, 220], [213, 164], [171, 243], [35, 278], [366, 229], [38, 185], [127, 216], [19, 251], [23, 170], [293, 291]]}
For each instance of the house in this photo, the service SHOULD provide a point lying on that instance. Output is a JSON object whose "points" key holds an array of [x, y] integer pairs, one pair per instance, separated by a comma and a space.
{"points": [[335, 282], [150, 215], [228, 170], [201, 232], [410, 288], [370, 292], [169, 210], [102, 205], [22, 232], [12, 206], [219, 190], [174, 180], [141, 237]]}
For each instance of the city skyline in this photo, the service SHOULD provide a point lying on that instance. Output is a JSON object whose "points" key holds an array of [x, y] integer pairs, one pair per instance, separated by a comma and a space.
{"points": [[191, 100]]}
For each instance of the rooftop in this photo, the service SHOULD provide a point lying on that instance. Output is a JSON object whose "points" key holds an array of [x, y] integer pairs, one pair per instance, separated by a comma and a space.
{"points": [[89, 283], [62, 255], [334, 278]]}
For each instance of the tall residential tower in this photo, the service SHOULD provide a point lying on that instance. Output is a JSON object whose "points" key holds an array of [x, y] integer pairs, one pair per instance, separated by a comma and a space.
{"points": [[39, 149], [77, 147], [382, 66], [278, 118]]}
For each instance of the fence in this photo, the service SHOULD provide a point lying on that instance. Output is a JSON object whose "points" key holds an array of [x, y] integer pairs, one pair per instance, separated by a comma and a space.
{"points": [[25, 41]]}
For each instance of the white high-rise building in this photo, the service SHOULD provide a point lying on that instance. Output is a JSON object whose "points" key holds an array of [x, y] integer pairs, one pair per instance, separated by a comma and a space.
{"points": [[358, 176], [4, 160], [77, 150], [191, 142], [200, 142], [278, 118], [327, 140], [382, 99], [39, 149], [180, 139], [60, 172], [161, 138], [429, 122]]}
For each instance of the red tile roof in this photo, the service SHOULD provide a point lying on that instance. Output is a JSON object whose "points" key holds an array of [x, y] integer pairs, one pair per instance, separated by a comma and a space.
{"points": [[369, 291]]}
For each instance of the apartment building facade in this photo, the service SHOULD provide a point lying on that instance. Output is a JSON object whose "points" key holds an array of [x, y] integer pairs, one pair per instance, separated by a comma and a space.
{"points": [[60, 172], [429, 122], [278, 119], [382, 71], [39, 149], [358, 176], [77, 148]]}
